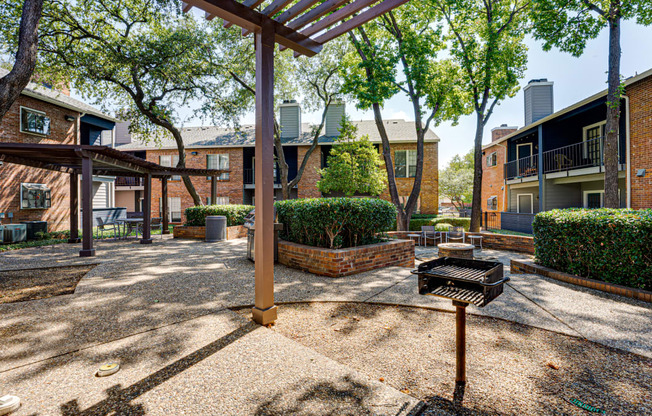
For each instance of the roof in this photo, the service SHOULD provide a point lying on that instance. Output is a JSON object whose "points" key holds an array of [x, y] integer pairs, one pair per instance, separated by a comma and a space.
{"points": [[213, 136], [603, 93], [106, 161], [55, 97]]}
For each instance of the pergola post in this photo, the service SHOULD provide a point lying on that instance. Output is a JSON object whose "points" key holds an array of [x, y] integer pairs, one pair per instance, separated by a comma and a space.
{"points": [[164, 205], [87, 208], [213, 189], [264, 311], [74, 209], [147, 210]]}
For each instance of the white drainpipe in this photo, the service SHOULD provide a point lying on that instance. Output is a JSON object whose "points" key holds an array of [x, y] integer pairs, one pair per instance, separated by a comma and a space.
{"points": [[628, 155]]}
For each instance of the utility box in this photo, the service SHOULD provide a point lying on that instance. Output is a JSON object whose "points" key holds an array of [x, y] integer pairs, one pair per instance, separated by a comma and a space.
{"points": [[14, 233], [35, 227]]}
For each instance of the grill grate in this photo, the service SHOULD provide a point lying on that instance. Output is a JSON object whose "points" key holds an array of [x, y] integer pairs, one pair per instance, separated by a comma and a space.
{"points": [[458, 272], [458, 293]]}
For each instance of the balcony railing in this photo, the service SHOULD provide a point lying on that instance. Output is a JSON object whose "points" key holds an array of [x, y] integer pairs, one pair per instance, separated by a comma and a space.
{"points": [[128, 181], [522, 168], [575, 156], [249, 178]]}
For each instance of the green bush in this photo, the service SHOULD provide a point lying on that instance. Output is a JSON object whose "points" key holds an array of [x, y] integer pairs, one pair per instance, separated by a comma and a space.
{"points": [[423, 216], [234, 214], [335, 222], [442, 226], [612, 245], [415, 224]]}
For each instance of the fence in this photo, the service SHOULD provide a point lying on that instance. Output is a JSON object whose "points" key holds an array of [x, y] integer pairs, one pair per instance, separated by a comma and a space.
{"points": [[509, 221]]}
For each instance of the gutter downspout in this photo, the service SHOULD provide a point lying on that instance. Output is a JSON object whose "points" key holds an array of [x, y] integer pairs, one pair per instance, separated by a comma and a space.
{"points": [[628, 154], [540, 168]]}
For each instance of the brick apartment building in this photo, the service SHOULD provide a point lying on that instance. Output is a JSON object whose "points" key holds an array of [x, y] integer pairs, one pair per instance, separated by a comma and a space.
{"points": [[556, 160], [224, 148], [45, 115]]}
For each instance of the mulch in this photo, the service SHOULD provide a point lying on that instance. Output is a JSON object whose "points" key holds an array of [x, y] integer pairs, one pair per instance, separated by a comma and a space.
{"points": [[41, 283]]}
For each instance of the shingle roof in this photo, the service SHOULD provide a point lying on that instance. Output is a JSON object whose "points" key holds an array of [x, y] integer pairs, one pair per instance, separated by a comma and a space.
{"points": [[50, 95], [213, 136]]}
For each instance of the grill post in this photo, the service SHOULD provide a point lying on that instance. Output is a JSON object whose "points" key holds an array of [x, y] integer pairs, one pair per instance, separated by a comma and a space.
{"points": [[460, 350]]}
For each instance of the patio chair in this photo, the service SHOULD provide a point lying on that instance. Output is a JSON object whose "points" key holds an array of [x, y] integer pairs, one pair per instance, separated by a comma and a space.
{"points": [[456, 233], [155, 224], [563, 162], [428, 232], [106, 226]]}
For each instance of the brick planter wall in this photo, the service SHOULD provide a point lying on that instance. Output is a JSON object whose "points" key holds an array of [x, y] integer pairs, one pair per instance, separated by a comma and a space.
{"points": [[346, 261], [197, 232], [517, 243]]}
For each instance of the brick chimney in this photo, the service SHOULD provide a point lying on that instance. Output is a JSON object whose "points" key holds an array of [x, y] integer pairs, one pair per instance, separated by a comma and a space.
{"points": [[502, 131]]}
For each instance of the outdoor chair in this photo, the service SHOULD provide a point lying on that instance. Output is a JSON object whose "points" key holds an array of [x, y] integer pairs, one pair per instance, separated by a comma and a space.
{"points": [[155, 224], [456, 233], [428, 232], [106, 226], [563, 162]]}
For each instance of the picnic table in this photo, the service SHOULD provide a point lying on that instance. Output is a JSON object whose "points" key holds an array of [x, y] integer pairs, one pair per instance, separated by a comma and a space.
{"points": [[130, 222]]}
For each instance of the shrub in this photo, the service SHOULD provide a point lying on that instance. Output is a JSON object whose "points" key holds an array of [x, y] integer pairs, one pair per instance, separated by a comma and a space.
{"points": [[442, 226], [415, 224], [234, 214], [423, 216], [613, 245], [335, 222]]}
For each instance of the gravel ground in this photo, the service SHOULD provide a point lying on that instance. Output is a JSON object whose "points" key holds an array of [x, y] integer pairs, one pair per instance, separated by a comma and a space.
{"points": [[41, 283], [512, 369]]}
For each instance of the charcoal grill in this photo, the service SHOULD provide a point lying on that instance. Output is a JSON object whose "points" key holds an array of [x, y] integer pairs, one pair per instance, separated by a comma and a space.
{"points": [[465, 282]]}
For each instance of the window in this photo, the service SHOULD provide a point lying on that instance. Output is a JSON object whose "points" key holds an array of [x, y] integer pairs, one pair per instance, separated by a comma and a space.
{"points": [[220, 200], [170, 161], [405, 163], [492, 203], [32, 121], [174, 208], [492, 160], [219, 161], [34, 196]]}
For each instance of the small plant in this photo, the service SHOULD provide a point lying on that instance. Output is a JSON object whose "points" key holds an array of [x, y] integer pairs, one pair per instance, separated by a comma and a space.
{"points": [[442, 226], [235, 214]]}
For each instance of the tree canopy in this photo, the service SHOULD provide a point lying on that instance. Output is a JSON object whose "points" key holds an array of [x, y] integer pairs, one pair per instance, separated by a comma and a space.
{"points": [[456, 180]]}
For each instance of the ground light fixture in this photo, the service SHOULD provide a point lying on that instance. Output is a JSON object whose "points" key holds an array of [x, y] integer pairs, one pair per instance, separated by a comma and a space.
{"points": [[108, 369], [9, 404]]}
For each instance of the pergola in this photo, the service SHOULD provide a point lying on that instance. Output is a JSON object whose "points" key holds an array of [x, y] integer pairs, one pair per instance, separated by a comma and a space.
{"points": [[99, 160], [304, 27]]}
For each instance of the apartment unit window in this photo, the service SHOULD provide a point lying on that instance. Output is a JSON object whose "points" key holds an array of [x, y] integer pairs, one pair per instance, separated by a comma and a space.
{"points": [[220, 200], [405, 163], [34, 196], [492, 203], [218, 161], [33, 121], [492, 160], [170, 161]]}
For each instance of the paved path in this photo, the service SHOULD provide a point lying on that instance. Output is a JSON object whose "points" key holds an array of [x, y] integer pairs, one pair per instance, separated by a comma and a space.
{"points": [[162, 312]]}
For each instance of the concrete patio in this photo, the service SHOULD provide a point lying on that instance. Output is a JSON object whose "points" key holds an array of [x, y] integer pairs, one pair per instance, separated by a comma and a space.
{"points": [[162, 311]]}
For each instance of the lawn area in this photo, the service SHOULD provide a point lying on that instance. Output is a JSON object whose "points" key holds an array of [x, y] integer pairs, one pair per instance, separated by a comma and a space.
{"points": [[509, 232]]}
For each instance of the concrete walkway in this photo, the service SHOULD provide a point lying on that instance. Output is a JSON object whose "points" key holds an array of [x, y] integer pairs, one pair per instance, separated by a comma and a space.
{"points": [[162, 312]]}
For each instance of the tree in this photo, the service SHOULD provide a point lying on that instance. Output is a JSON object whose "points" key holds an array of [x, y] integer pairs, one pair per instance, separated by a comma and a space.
{"points": [[353, 165], [142, 56], [569, 25], [456, 181], [486, 40], [408, 40], [26, 49]]}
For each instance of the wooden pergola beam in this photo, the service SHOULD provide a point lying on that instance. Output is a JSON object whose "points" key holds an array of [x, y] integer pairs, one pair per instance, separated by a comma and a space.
{"points": [[314, 14], [275, 7], [252, 4], [295, 10], [337, 16], [35, 164]]}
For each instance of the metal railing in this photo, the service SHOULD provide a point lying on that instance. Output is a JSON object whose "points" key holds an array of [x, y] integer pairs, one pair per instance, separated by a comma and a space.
{"points": [[522, 168], [575, 156], [128, 181], [491, 220], [249, 177]]}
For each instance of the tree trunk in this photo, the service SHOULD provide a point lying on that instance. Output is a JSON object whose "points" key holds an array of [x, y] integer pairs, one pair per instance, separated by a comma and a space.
{"points": [[17, 79], [181, 149], [315, 142], [611, 199], [476, 204]]}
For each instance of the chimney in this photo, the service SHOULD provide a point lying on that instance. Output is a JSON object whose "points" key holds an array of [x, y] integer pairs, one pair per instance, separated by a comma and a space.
{"points": [[538, 100], [502, 131], [122, 135], [334, 116], [290, 119]]}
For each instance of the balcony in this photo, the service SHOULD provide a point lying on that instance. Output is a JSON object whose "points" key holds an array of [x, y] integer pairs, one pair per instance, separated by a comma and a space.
{"points": [[522, 168], [129, 181], [249, 177]]}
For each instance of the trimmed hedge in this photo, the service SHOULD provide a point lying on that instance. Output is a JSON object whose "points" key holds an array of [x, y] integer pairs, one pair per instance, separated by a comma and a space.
{"points": [[234, 214], [612, 245], [415, 224], [335, 222]]}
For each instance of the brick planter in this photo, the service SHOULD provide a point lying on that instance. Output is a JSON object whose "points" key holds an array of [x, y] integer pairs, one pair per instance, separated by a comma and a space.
{"points": [[346, 261], [518, 243], [199, 232]]}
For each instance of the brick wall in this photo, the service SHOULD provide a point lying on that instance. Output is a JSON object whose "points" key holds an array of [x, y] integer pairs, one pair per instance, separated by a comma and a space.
{"points": [[231, 188], [493, 179], [11, 176], [310, 177], [498, 133], [640, 107], [348, 261], [199, 232], [521, 244]]}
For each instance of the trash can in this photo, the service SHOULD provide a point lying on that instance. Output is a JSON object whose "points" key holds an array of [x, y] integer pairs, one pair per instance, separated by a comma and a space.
{"points": [[251, 238], [34, 227], [215, 228]]}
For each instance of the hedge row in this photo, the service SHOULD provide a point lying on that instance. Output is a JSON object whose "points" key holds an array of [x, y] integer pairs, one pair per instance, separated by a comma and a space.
{"points": [[415, 224], [612, 245], [335, 222], [234, 214]]}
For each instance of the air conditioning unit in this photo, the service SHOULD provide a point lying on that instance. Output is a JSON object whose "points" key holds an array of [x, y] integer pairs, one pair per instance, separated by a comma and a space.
{"points": [[14, 233]]}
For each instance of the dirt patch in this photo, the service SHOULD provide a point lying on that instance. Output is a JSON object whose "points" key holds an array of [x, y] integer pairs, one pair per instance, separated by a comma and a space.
{"points": [[31, 284], [512, 369]]}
